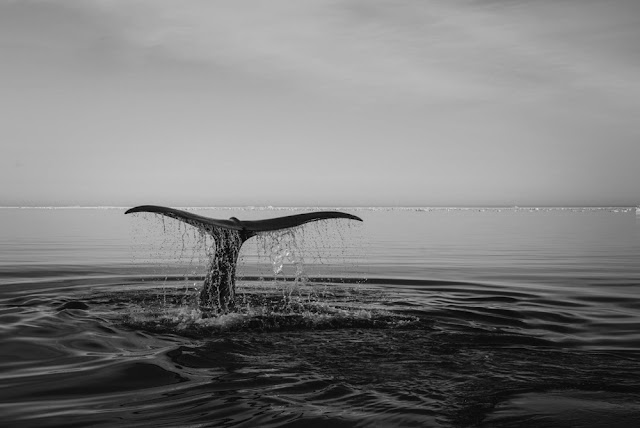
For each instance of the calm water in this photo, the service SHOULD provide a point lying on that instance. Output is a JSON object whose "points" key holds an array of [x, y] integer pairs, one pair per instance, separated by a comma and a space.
{"points": [[443, 318]]}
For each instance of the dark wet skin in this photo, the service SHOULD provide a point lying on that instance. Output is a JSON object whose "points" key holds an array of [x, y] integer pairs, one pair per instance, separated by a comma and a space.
{"points": [[218, 291]]}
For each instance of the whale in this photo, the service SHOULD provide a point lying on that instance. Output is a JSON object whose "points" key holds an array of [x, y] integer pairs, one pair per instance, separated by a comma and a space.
{"points": [[218, 291]]}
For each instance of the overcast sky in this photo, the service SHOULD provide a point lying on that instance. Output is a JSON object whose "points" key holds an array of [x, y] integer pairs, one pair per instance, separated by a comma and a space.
{"points": [[333, 103]]}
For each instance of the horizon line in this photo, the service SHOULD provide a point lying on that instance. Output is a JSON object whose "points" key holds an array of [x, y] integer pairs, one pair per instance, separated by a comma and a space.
{"points": [[278, 207]]}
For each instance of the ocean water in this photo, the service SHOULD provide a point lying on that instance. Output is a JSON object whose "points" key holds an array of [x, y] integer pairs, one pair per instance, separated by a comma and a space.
{"points": [[513, 317]]}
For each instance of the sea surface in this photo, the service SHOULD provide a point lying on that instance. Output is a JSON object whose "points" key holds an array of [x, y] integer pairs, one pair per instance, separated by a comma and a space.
{"points": [[424, 317]]}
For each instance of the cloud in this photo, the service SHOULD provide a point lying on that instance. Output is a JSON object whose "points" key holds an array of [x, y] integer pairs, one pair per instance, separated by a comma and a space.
{"points": [[322, 46], [427, 51], [502, 90]]}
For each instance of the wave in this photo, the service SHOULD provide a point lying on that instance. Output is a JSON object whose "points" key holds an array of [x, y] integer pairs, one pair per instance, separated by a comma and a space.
{"points": [[343, 351], [167, 303]]}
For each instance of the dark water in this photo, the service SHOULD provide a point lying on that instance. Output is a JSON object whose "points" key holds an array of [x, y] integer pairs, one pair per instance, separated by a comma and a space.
{"points": [[491, 318]]}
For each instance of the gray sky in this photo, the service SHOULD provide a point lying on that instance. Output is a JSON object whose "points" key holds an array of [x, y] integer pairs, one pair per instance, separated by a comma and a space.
{"points": [[289, 102]]}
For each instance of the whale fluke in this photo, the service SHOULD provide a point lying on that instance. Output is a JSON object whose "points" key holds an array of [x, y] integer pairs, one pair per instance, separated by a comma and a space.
{"points": [[248, 227], [219, 285]]}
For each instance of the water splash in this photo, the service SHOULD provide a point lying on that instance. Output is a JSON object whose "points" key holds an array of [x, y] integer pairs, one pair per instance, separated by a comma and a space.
{"points": [[259, 308], [284, 295], [295, 254]]}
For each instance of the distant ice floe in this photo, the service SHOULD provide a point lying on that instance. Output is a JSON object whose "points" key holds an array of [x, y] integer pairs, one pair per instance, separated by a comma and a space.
{"points": [[70, 207], [319, 208]]}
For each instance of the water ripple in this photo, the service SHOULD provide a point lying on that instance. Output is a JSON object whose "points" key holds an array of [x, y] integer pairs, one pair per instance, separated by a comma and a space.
{"points": [[345, 352]]}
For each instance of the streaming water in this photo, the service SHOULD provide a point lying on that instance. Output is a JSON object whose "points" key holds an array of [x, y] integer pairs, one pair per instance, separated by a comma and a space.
{"points": [[435, 317]]}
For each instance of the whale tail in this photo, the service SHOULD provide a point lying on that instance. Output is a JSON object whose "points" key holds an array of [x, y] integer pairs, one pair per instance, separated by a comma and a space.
{"points": [[247, 228], [219, 284]]}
